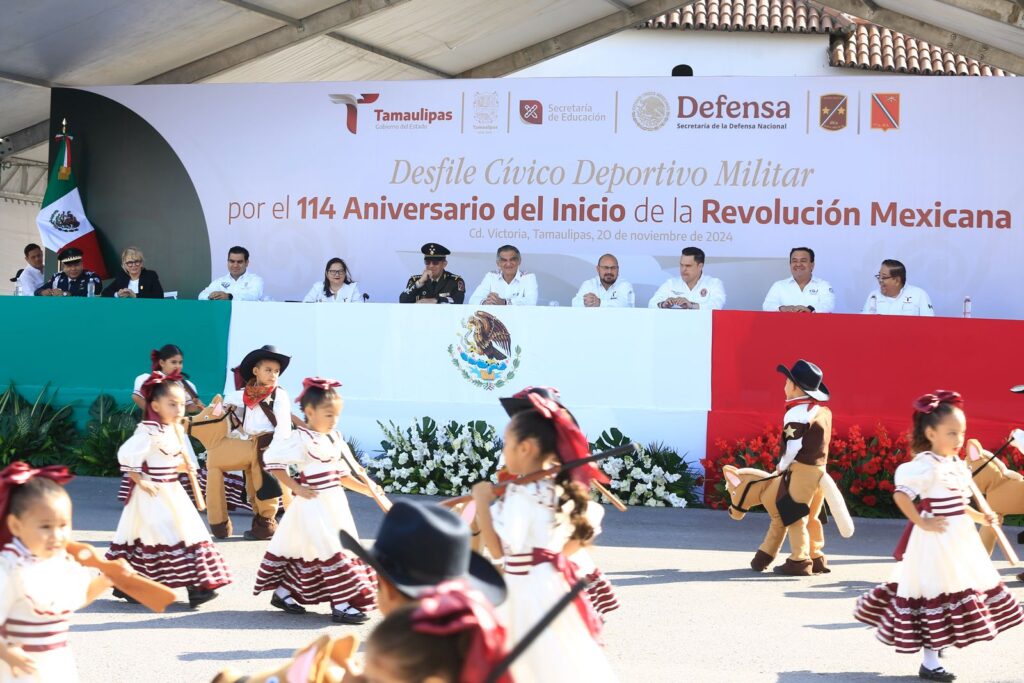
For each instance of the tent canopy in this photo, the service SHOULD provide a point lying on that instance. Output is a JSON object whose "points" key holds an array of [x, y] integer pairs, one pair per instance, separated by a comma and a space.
{"points": [[109, 42]]}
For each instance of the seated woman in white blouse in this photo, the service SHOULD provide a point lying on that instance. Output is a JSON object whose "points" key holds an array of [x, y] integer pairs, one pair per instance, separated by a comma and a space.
{"points": [[336, 287], [894, 296]]}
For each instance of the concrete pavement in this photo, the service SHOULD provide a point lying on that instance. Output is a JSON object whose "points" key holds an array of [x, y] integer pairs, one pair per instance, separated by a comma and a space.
{"points": [[691, 609]]}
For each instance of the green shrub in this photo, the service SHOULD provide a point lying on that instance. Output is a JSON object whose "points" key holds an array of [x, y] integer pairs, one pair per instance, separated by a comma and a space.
{"points": [[35, 432], [109, 426]]}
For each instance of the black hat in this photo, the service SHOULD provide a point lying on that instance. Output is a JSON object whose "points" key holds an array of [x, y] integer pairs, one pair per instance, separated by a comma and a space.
{"points": [[519, 401], [243, 373], [434, 252], [69, 255], [807, 376], [419, 546]]}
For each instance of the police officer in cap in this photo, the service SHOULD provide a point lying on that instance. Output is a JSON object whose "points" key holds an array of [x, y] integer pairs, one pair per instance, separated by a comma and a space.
{"points": [[434, 285], [74, 280]]}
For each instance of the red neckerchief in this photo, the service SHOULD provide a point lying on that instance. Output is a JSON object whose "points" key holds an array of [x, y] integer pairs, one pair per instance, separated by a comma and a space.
{"points": [[802, 401], [254, 394]]}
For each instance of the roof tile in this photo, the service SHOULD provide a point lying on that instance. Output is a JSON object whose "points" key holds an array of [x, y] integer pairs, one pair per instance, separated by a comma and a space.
{"points": [[855, 44]]}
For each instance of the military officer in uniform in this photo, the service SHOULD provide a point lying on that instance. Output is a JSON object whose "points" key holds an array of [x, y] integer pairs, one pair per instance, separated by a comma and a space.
{"points": [[434, 285], [74, 280]]}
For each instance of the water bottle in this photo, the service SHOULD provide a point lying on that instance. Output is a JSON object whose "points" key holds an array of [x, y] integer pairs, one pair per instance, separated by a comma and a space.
{"points": [[873, 305], [90, 289], [967, 307], [17, 288]]}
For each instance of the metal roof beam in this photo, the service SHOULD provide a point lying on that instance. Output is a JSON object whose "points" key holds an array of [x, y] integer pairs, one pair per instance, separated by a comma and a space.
{"points": [[1005, 11], [388, 54], [277, 16], [280, 38], [570, 40], [940, 37], [25, 80]]}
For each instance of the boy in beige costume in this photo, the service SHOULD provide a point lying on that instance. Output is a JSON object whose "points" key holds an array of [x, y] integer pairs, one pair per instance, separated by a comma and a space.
{"points": [[806, 433]]}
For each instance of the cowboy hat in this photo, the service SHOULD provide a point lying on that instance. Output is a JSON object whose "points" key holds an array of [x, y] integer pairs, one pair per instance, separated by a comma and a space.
{"points": [[807, 376], [419, 546], [243, 373]]}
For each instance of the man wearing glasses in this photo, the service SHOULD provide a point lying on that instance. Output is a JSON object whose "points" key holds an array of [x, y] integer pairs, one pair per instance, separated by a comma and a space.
{"points": [[237, 285], [894, 296], [434, 285], [606, 289]]}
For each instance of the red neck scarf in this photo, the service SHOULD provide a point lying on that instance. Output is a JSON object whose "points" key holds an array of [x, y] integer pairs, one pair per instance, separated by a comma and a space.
{"points": [[570, 442], [801, 401], [16, 474], [452, 608], [254, 394]]}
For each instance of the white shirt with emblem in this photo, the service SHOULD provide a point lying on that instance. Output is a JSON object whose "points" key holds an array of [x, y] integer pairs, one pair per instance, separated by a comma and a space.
{"points": [[910, 301], [522, 291], [817, 293], [619, 295], [708, 292], [248, 287]]}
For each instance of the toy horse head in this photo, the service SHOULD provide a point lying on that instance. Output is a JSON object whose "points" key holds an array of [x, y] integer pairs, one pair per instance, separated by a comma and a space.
{"points": [[744, 489]]}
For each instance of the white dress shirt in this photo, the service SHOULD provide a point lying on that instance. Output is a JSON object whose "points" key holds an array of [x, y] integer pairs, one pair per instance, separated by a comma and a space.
{"points": [[256, 421], [619, 295], [29, 281], [817, 293], [248, 287], [910, 301], [522, 291], [708, 292], [348, 294]]}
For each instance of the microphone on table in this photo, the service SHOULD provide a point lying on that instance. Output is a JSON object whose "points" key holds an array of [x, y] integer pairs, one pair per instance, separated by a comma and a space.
{"points": [[366, 297]]}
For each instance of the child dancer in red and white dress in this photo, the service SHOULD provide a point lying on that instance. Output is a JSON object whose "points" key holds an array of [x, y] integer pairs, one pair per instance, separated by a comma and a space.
{"points": [[944, 592], [305, 563], [161, 535], [40, 584], [169, 360], [534, 527]]}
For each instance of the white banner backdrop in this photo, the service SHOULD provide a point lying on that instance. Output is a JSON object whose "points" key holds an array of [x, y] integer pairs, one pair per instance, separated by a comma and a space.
{"points": [[860, 169], [646, 372]]}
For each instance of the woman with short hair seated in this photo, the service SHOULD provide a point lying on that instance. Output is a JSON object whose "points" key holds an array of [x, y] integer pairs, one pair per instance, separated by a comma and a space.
{"points": [[134, 281], [337, 286]]}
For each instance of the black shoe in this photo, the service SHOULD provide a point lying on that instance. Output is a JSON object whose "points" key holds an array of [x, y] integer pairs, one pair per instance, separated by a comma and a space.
{"points": [[344, 617], [938, 674], [197, 596], [290, 608], [124, 596]]}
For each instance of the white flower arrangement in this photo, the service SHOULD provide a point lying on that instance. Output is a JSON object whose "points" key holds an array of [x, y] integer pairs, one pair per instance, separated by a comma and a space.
{"points": [[424, 458], [446, 461]]}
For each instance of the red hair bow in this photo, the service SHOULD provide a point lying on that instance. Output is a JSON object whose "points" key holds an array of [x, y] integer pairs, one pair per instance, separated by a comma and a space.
{"points": [[453, 607], [569, 440], [16, 474], [318, 382], [929, 402], [154, 359], [151, 383]]}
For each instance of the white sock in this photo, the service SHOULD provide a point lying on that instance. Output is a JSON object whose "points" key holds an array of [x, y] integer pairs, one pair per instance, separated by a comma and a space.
{"points": [[931, 659], [284, 595], [343, 607]]}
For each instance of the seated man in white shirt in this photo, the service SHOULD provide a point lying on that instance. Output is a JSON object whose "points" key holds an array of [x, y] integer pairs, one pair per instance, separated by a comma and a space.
{"points": [[237, 285], [509, 285], [31, 277], [894, 296], [606, 289], [801, 293], [692, 289]]}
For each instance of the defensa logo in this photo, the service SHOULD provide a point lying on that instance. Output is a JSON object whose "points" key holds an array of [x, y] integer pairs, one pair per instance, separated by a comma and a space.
{"points": [[351, 102], [724, 108]]}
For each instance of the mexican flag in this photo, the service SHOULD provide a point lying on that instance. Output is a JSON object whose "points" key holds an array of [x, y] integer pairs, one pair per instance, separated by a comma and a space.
{"points": [[62, 222]]}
